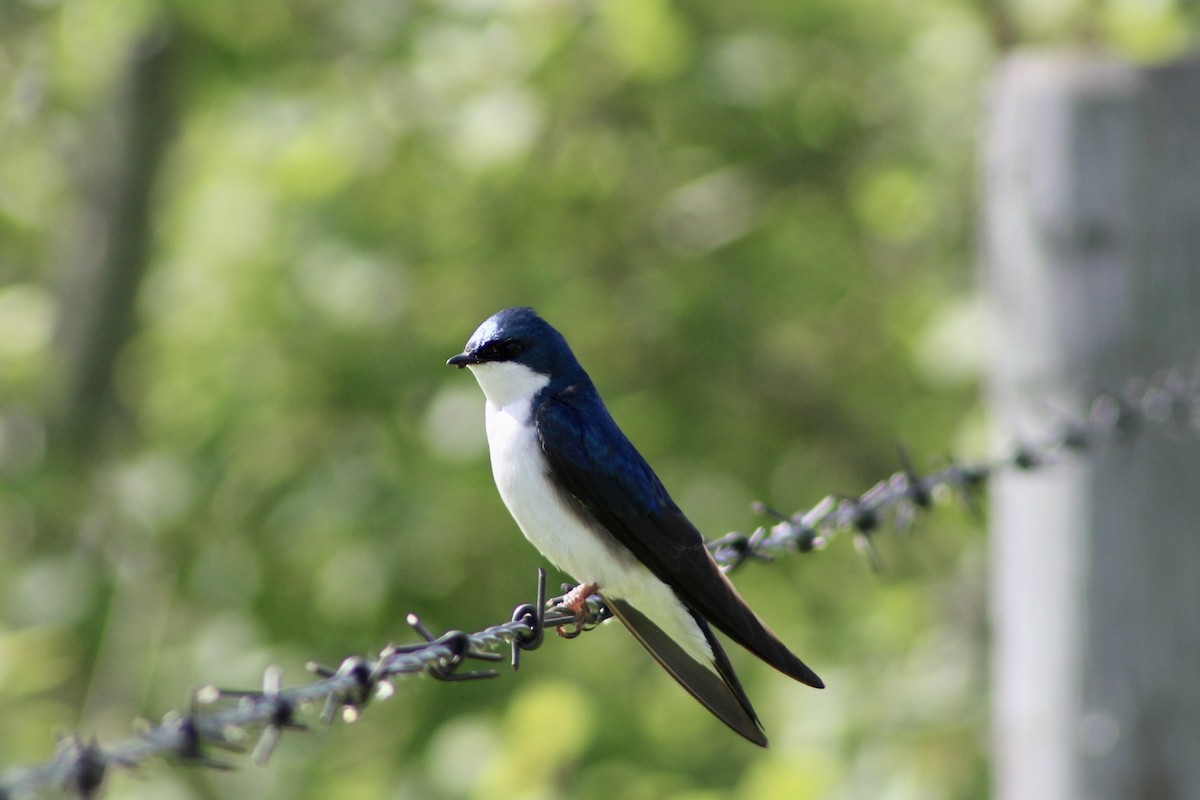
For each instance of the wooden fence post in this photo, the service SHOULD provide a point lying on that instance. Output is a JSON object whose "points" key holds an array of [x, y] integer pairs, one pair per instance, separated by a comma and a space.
{"points": [[1091, 228]]}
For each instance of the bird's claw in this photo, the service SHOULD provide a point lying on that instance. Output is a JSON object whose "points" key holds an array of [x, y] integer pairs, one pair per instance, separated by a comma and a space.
{"points": [[575, 601]]}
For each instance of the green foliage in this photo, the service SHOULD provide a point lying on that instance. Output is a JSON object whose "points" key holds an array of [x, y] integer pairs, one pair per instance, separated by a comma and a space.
{"points": [[750, 219]]}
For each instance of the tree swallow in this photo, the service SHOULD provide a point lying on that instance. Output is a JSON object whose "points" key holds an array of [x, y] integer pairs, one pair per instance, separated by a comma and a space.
{"points": [[590, 503]]}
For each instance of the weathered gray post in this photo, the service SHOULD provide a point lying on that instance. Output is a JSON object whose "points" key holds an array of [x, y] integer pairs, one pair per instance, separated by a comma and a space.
{"points": [[1092, 263]]}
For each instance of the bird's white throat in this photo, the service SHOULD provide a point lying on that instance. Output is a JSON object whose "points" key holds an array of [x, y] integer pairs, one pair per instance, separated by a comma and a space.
{"points": [[507, 382]]}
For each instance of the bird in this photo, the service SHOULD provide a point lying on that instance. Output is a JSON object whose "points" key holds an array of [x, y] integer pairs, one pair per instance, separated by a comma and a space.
{"points": [[584, 496]]}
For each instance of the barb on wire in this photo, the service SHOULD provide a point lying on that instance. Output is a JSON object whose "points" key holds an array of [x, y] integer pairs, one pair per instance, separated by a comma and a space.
{"points": [[222, 719]]}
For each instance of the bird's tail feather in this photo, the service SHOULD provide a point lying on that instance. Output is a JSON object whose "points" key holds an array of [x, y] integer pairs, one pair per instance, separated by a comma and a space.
{"points": [[719, 691]]}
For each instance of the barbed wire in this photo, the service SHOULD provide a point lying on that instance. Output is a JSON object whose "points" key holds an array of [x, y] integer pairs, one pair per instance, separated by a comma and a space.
{"points": [[226, 720], [1172, 399]]}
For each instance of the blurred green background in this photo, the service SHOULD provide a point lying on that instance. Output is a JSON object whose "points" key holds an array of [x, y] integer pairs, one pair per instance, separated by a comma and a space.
{"points": [[239, 239]]}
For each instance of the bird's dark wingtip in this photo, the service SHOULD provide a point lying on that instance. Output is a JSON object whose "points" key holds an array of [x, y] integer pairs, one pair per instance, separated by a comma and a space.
{"points": [[789, 664]]}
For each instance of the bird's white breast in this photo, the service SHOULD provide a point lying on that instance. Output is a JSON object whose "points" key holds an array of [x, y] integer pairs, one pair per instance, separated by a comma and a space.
{"points": [[556, 530], [587, 555]]}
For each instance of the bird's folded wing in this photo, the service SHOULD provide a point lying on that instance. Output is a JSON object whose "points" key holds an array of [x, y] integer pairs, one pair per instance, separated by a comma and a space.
{"points": [[593, 465]]}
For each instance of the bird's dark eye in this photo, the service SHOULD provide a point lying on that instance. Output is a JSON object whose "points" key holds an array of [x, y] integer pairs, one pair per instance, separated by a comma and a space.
{"points": [[503, 350]]}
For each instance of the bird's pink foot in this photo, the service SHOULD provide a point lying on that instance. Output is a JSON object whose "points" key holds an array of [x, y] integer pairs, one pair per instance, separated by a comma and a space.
{"points": [[575, 601]]}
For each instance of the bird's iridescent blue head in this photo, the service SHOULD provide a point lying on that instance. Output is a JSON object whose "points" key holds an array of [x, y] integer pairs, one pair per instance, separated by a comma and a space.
{"points": [[516, 346]]}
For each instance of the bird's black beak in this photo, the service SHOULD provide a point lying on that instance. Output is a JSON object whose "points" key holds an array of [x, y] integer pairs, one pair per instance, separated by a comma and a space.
{"points": [[463, 359]]}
